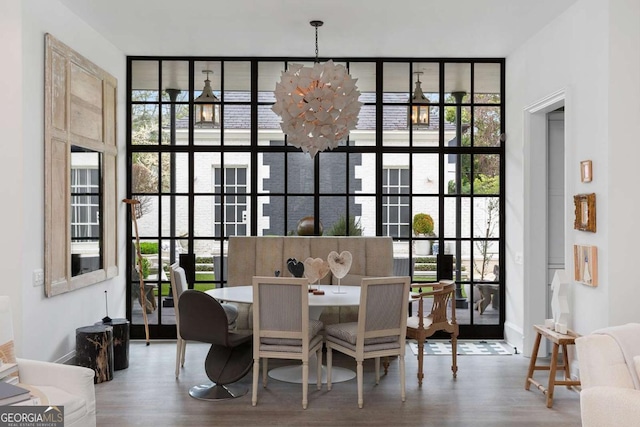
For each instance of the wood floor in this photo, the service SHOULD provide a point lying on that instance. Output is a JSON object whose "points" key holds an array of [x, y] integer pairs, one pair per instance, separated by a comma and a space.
{"points": [[489, 391]]}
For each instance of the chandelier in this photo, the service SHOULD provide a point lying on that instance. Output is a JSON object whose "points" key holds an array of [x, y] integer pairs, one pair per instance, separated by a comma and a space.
{"points": [[318, 105]]}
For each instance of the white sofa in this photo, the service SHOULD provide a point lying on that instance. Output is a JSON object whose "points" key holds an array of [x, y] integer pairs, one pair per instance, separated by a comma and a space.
{"points": [[609, 361], [263, 255], [61, 385]]}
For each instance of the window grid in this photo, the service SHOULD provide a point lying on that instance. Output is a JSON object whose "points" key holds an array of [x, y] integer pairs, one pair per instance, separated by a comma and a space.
{"points": [[85, 205]]}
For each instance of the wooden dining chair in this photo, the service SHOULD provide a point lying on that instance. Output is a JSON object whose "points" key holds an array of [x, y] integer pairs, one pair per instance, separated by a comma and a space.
{"points": [[379, 332], [282, 328], [422, 326]]}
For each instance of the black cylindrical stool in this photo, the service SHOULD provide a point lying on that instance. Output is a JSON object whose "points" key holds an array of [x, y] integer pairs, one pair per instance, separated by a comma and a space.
{"points": [[94, 350], [120, 342]]}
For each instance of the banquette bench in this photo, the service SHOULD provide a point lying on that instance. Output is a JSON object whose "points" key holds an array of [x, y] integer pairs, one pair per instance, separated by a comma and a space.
{"points": [[264, 255]]}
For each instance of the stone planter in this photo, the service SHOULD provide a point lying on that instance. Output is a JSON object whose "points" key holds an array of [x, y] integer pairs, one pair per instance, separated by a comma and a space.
{"points": [[422, 247]]}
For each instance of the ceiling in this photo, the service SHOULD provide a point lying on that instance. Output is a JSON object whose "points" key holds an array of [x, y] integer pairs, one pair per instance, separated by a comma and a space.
{"points": [[352, 28]]}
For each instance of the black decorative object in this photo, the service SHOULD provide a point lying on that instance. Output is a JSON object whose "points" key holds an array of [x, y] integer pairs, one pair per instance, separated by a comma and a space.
{"points": [[106, 319], [296, 268], [277, 273]]}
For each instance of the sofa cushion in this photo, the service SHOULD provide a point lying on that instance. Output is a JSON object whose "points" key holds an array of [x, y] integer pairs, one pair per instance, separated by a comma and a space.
{"points": [[636, 362]]}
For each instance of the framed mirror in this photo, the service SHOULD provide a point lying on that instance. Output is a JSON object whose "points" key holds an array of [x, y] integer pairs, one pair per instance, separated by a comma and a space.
{"points": [[80, 171], [585, 212]]}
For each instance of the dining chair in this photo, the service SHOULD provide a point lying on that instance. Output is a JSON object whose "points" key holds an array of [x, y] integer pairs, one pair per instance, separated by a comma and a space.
{"points": [[379, 332], [282, 328], [203, 319], [422, 326], [178, 285]]}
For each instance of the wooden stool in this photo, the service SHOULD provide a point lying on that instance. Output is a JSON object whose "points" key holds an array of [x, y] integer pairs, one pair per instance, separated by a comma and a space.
{"points": [[558, 340], [120, 342], [94, 350]]}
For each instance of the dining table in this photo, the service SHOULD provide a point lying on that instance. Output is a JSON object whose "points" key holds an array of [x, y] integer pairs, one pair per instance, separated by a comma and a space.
{"points": [[334, 296]]}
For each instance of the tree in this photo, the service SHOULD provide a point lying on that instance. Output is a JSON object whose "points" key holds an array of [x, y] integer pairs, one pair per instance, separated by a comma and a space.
{"points": [[147, 167], [484, 246], [486, 133]]}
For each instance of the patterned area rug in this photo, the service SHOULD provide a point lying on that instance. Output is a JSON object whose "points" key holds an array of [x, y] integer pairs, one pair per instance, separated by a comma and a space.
{"points": [[465, 348]]}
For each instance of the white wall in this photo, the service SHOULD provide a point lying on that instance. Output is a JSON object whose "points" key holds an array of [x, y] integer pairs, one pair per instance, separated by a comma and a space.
{"points": [[591, 52], [623, 285], [45, 327], [11, 160]]}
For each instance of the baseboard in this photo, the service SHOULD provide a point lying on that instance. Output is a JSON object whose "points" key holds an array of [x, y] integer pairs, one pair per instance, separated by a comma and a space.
{"points": [[67, 359], [514, 336]]}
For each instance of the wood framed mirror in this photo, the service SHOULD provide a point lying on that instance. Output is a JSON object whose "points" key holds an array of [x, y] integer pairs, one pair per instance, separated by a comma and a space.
{"points": [[585, 212], [80, 171]]}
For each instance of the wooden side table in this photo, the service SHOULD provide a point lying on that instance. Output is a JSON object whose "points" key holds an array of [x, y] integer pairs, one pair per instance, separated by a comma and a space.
{"points": [[558, 340], [94, 349], [120, 342]]}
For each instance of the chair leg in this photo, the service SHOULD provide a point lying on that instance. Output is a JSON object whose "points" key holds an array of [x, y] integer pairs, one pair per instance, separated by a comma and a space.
{"points": [[183, 351], [178, 356], [454, 355], [256, 374], [329, 363], [319, 373], [359, 373], [402, 380], [377, 370], [265, 370], [305, 382], [420, 361]]}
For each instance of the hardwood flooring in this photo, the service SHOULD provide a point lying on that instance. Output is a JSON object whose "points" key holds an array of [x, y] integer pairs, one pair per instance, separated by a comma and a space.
{"points": [[489, 391]]}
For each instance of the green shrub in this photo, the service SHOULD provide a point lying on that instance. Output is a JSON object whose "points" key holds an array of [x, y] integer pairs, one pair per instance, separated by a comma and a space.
{"points": [[147, 248], [423, 224], [146, 267], [339, 228]]}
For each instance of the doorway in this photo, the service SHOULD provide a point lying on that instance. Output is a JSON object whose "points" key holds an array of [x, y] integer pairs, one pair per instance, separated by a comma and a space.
{"points": [[544, 207]]}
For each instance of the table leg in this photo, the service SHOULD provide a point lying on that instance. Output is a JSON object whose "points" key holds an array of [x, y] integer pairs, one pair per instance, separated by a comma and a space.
{"points": [[565, 363], [532, 363], [552, 375]]}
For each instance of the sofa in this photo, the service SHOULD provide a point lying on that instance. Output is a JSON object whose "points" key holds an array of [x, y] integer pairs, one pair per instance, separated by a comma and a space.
{"points": [[264, 255], [61, 385], [609, 361]]}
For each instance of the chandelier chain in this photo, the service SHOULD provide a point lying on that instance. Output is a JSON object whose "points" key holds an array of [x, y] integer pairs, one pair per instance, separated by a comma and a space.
{"points": [[317, 44]]}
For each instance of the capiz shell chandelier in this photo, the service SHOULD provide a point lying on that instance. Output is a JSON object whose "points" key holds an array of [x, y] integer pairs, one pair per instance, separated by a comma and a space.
{"points": [[318, 105]]}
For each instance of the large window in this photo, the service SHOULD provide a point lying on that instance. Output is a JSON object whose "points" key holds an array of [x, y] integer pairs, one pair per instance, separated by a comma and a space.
{"points": [[235, 206], [200, 184], [396, 213]]}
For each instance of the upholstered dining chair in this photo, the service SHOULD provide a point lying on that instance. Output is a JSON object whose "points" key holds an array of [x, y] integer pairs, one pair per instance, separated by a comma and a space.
{"points": [[380, 329], [178, 285], [282, 328], [203, 319], [423, 325]]}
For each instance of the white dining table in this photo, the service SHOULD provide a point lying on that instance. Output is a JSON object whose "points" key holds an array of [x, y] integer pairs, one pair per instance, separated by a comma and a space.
{"points": [[348, 296]]}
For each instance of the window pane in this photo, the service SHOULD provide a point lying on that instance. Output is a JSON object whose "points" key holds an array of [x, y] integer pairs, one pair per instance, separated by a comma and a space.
{"points": [[300, 169], [333, 171], [486, 79], [486, 128]]}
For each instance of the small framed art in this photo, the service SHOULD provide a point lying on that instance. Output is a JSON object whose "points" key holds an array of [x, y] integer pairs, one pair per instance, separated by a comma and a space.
{"points": [[586, 172], [585, 212], [585, 264]]}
